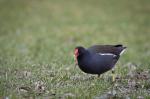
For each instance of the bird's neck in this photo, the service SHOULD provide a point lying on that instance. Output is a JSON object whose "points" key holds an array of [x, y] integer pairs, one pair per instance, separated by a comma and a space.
{"points": [[83, 58], [83, 55], [83, 62]]}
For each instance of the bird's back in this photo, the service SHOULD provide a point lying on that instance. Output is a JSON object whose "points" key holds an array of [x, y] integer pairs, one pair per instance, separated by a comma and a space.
{"points": [[114, 49]]}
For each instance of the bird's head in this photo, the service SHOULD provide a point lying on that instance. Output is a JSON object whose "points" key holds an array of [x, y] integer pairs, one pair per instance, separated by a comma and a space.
{"points": [[79, 51]]}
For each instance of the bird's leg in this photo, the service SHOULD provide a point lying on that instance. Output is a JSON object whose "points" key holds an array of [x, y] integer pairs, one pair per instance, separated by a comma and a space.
{"points": [[113, 75], [113, 82], [98, 76]]}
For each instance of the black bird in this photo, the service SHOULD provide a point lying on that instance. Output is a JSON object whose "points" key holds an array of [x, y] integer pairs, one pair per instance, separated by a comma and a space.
{"points": [[98, 59]]}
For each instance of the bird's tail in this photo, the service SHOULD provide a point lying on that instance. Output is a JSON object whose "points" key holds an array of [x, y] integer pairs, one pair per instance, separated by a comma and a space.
{"points": [[120, 48]]}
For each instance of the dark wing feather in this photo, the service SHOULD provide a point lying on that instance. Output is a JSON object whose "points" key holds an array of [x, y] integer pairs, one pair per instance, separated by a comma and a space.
{"points": [[114, 49]]}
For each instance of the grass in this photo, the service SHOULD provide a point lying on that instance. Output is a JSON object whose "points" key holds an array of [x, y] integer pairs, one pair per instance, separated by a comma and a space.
{"points": [[37, 40]]}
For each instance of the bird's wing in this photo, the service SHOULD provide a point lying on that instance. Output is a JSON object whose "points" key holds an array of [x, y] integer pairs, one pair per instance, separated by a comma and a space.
{"points": [[104, 60], [114, 49]]}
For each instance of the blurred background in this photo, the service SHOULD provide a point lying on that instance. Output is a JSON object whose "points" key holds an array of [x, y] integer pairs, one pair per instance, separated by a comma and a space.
{"points": [[37, 34]]}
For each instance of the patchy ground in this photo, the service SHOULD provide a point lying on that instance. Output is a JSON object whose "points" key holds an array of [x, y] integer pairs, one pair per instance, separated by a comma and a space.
{"points": [[37, 40]]}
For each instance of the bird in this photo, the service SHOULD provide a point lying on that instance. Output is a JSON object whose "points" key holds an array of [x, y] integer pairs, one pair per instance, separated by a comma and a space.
{"points": [[98, 59]]}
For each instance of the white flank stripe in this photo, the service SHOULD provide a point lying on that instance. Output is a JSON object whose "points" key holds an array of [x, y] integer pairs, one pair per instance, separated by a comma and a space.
{"points": [[107, 54]]}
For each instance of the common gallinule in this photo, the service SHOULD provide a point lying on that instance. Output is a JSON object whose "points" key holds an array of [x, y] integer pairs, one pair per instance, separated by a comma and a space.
{"points": [[98, 59]]}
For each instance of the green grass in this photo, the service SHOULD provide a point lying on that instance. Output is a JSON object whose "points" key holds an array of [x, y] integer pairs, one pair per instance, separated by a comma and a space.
{"points": [[38, 37]]}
